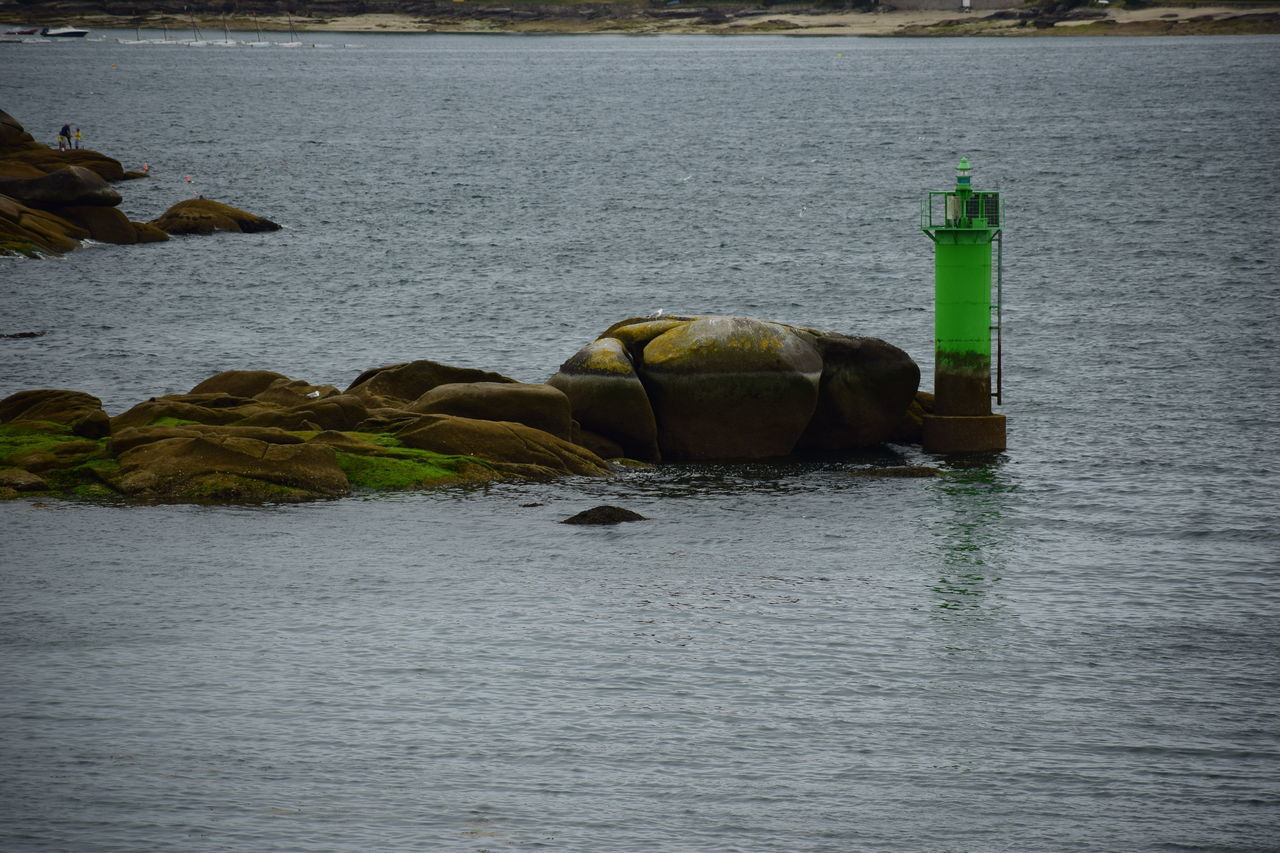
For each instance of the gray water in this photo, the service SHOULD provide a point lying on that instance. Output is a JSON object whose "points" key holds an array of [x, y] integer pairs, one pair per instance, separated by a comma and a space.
{"points": [[1067, 647]]}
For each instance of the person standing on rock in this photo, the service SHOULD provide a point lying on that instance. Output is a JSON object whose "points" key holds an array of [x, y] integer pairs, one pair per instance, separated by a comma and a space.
{"points": [[78, 137], [64, 138]]}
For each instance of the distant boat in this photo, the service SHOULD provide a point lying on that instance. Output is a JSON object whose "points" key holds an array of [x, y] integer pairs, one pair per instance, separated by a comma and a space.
{"points": [[138, 39], [226, 40], [259, 42], [30, 31], [195, 40], [63, 32], [292, 42]]}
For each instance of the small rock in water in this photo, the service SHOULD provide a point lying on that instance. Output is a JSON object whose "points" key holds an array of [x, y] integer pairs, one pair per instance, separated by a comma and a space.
{"points": [[603, 515]]}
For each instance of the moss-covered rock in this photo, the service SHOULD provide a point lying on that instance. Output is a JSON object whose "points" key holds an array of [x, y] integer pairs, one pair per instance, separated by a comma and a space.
{"points": [[228, 468], [130, 437], [81, 413], [342, 412], [608, 399], [381, 463], [707, 387], [21, 480], [513, 449], [175, 412], [730, 387], [27, 231], [397, 385], [535, 405]]}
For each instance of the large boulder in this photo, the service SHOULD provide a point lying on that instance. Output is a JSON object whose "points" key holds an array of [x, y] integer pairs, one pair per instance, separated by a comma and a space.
{"points": [[539, 406], [730, 387], [13, 135], [205, 216], [109, 225], [708, 387], [608, 399], [397, 385], [27, 231], [241, 383], [107, 168], [67, 187], [79, 411], [511, 448], [228, 468], [867, 385]]}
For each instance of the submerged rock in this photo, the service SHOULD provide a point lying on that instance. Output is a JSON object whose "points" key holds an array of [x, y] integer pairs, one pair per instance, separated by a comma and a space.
{"points": [[603, 515], [899, 472]]}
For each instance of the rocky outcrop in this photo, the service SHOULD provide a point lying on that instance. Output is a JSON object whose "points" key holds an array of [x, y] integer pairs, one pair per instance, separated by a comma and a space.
{"points": [[65, 187], [52, 200], [31, 232], [256, 435], [205, 216], [109, 225], [693, 388], [703, 388], [538, 406]]}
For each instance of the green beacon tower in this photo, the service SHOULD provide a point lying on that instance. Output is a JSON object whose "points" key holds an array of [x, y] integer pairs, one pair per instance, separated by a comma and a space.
{"points": [[965, 227]]}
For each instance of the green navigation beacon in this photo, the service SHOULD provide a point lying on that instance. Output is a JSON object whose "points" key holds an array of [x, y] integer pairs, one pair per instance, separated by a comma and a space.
{"points": [[965, 226]]}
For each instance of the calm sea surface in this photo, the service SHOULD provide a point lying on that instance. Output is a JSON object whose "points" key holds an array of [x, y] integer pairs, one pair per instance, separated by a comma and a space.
{"points": [[1070, 647]]}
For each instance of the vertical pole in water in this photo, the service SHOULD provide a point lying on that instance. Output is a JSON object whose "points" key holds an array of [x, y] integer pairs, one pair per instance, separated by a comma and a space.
{"points": [[963, 224]]}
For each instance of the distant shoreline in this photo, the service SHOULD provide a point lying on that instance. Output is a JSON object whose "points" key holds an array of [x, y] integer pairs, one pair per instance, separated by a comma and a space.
{"points": [[1153, 20]]}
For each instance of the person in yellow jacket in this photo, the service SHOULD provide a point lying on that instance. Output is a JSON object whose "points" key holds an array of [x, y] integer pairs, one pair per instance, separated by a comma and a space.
{"points": [[78, 137]]}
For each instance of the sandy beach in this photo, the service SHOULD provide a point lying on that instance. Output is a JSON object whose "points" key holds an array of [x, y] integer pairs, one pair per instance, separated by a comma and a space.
{"points": [[1152, 20], [1155, 20]]}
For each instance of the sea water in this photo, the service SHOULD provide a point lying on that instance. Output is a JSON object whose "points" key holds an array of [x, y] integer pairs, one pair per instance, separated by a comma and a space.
{"points": [[1070, 646]]}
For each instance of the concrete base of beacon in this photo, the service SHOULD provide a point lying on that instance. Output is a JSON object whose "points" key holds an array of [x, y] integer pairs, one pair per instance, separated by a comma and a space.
{"points": [[957, 434]]}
